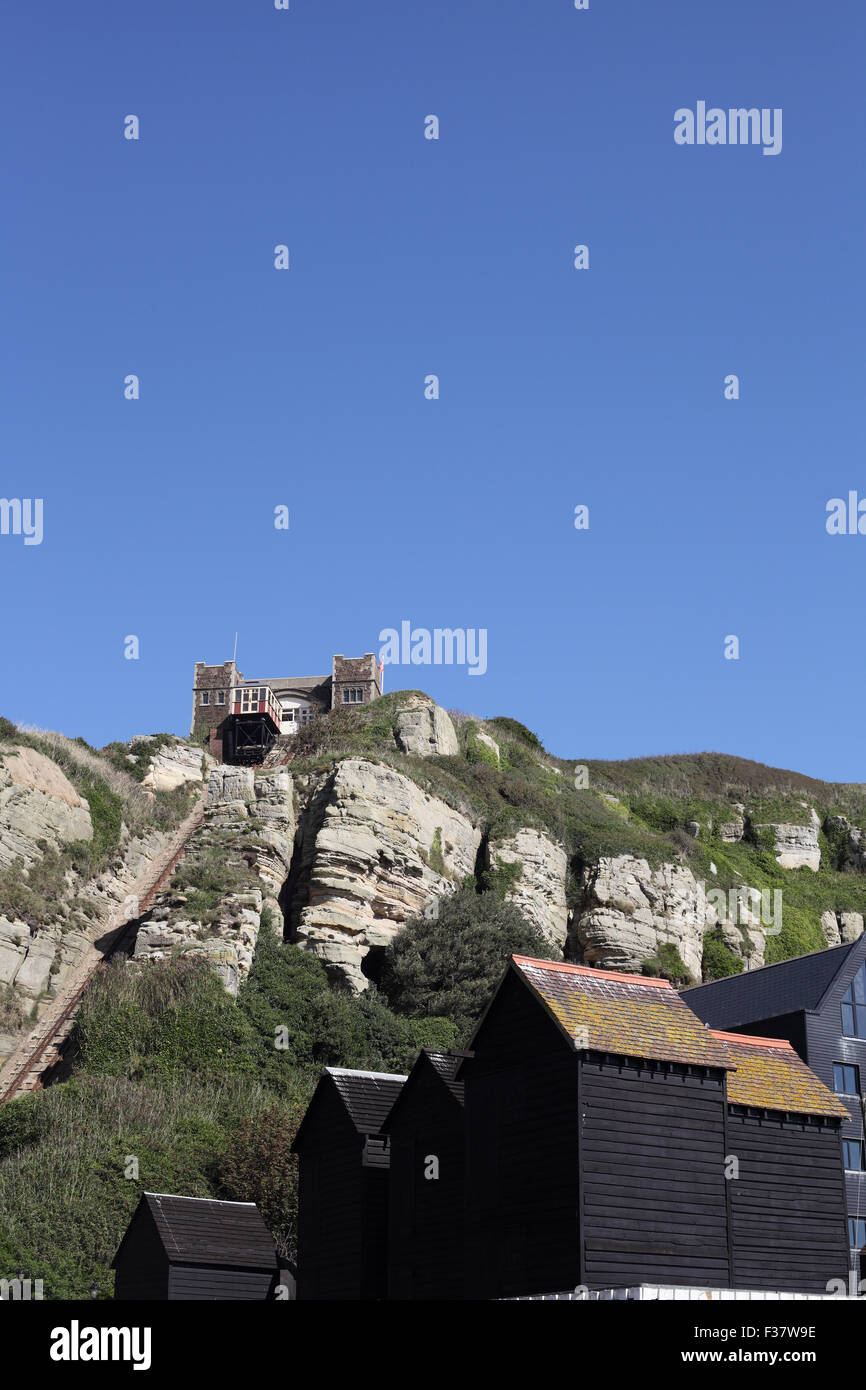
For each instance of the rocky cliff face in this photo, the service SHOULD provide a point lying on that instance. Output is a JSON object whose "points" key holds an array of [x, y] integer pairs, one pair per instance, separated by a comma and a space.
{"points": [[374, 850], [42, 813], [38, 806], [341, 847], [796, 846], [246, 843], [539, 889], [628, 911]]}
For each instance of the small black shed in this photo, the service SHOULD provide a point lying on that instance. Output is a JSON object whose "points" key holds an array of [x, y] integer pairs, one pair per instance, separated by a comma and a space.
{"points": [[343, 1162], [426, 1189], [195, 1248]]}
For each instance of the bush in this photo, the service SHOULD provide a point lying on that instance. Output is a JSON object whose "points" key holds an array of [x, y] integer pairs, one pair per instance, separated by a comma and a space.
{"points": [[258, 1166], [718, 960], [449, 966], [287, 995], [668, 964], [169, 1018]]}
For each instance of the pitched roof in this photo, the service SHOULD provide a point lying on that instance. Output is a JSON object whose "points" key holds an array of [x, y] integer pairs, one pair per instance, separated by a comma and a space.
{"points": [[632, 1015], [444, 1064], [770, 1074], [201, 1231], [367, 1095], [789, 987]]}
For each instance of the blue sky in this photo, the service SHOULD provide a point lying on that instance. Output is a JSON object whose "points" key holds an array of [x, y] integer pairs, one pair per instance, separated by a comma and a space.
{"points": [[409, 257]]}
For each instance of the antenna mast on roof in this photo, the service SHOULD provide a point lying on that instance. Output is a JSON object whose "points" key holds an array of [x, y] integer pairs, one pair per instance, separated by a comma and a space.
{"points": [[235, 653]]}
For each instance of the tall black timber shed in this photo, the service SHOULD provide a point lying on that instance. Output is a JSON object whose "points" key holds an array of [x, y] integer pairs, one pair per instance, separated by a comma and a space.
{"points": [[597, 1133], [595, 1110], [343, 1160], [195, 1248], [787, 1200], [817, 1002], [426, 1188]]}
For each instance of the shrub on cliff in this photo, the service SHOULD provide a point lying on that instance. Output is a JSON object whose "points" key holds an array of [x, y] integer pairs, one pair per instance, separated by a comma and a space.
{"points": [[449, 966]]}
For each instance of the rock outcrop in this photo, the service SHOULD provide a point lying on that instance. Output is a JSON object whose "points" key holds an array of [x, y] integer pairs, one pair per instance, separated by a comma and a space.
{"points": [[422, 728], [628, 910], [248, 829], [37, 803], [796, 846], [374, 851], [174, 765], [841, 927], [539, 891]]}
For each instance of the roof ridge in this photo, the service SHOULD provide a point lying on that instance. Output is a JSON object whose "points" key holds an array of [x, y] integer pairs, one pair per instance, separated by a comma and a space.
{"points": [[567, 967], [773, 965], [782, 1043], [181, 1197], [374, 1075]]}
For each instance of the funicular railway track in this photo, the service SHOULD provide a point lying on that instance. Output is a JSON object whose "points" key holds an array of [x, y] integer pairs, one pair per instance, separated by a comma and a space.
{"points": [[27, 1067]]}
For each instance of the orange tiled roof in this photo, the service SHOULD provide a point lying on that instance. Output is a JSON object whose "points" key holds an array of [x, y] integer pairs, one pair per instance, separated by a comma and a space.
{"points": [[770, 1074], [631, 1015]]}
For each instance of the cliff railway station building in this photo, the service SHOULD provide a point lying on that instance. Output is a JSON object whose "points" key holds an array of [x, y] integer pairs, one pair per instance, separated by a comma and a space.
{"points": [[243, 719]]}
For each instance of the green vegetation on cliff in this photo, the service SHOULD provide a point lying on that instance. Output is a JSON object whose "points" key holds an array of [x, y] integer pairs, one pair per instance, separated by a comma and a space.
{"points": [[176, 1087]]}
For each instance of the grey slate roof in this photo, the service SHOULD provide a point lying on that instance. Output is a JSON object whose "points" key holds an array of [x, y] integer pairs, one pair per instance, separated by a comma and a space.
{"points": [[367, 1096], [446, 1064], [792, 986], [201, 1231]]}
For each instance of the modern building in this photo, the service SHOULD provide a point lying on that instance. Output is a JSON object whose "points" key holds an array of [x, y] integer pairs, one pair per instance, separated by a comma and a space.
{"points": [[244, 718], [818, 1003]]}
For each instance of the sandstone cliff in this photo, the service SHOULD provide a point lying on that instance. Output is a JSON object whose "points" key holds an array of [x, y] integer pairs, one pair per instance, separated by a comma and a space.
{"points": [[367, 818]]}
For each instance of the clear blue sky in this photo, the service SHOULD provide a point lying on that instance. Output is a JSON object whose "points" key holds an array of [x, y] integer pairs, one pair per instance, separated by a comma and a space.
{"points": [[410, 257]]}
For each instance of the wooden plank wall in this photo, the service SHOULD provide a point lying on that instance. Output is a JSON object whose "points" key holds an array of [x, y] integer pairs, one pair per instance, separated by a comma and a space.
{"points": [[787, 1205], [425, 1215], [207, 1282], [522, 1232], [654, 1199]]}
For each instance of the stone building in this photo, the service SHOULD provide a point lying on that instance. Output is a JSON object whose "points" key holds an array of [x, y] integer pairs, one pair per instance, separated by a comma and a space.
{"points": [[243, 717]]}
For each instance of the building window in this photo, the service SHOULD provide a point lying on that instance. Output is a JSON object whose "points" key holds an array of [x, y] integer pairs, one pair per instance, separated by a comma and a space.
{"points": [[846, 1079], [353, 696], [857, 1232], [221, 697], [288, 716], [854, 1006], [853, 1151], [205, 697]]}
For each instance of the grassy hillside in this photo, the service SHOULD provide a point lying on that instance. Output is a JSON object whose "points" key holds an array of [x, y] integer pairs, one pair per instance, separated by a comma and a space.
{"points": [[177, 1087], [116, 800]]}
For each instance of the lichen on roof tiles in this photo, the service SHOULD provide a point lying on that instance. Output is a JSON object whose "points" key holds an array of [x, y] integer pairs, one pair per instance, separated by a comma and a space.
{"points": [[769, 1074], [623, 1014]]}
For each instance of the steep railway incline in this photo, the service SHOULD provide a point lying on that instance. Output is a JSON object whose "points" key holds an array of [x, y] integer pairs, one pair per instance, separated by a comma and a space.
{"points": [[40, 1051]]}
